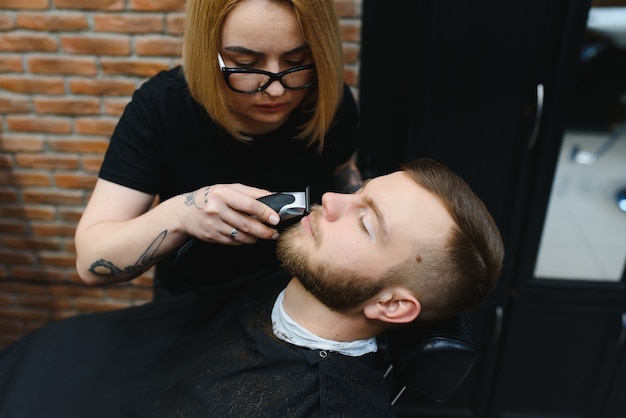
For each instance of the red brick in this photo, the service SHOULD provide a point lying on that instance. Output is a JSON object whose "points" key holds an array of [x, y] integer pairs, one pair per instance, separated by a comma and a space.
{"points": [[8, 195], [83, 145], [12, 227], [57, 260], [48, 244], [350, 55], [351, 77], [96, 46], [50, 22], [47, 161], [115, 107], [347, 8], [22, 42], [11, 63], [6, 162], [92, 164], [25, 84], [69, 244], [133, 67], [23, 288], [21, 143], [102, 87], [83, 305], [175, 23], [94, 126], [75, 181], [70, 215], [6, 300], [60, 314], [49, 230], [128, 23], [158, 46], [62, 106], [351, 31], [15, 104], [157, 5], [110, 5], [41, 212], [77, 291], [45, 303], [38, 274], [52, 197], [25, 179], [39, 124], [145, 280], [6, 22], [16, 258], [56, 65], [30, 314], [24, 4]]}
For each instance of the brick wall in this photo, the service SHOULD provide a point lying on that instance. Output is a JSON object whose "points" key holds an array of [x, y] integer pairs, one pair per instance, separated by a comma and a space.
{"points": [[67, 69]]}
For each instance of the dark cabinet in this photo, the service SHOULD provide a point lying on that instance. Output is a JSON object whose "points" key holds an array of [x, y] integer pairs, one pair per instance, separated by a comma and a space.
{"points": [[616, 401], [560, 357], [485, 88]]}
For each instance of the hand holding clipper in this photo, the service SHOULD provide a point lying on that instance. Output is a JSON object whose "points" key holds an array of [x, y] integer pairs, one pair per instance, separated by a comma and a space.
{"points": [[288, 205]]}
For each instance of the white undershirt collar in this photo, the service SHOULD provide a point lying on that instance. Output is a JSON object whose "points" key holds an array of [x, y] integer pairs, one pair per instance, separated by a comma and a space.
{"points": [[286, 329]]}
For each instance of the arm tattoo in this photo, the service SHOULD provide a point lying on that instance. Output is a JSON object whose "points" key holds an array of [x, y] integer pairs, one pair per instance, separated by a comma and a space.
{"points": [[348, 178], [106, 268], [190, 199]]}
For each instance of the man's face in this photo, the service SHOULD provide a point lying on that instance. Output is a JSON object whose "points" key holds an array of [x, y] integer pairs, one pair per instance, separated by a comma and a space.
{"points": [[341, 250]]}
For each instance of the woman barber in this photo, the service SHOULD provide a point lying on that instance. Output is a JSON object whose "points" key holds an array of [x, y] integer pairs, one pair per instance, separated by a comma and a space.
{"points": [[259, 105]]}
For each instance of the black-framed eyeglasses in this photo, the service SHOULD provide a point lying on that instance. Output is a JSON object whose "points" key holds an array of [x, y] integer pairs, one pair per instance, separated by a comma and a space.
{"points": [[249, 81]]}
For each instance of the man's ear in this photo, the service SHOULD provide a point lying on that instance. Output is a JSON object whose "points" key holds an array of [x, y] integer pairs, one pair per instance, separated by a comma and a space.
{"points": [[396, 305]]}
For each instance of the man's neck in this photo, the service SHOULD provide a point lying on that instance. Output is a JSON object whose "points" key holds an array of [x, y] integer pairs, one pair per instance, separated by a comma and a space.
{"points": [[320, 320]]}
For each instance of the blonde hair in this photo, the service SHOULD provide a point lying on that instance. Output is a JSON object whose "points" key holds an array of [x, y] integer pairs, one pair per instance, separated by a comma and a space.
{"points": [[319, 26]]}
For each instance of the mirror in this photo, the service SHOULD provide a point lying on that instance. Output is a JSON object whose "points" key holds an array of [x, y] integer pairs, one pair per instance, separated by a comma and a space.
{"points": [[584, 236]]}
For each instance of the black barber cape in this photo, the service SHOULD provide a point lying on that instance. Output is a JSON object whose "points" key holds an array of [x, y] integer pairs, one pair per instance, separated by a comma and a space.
{"points": [[184, 356]]}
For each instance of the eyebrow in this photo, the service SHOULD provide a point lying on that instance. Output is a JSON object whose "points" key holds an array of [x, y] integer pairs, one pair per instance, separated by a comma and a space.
{"points": [[244, 50]]}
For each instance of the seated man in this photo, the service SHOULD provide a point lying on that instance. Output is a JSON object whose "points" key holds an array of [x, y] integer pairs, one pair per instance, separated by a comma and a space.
{"points": [[413, 246]]}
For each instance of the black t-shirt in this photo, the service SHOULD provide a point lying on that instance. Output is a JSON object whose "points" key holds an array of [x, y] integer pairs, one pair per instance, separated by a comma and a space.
{"points": [[176, 357], [166, 144]]}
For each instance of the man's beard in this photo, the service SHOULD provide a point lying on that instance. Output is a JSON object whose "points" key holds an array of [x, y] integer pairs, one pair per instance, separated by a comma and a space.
{"points": [[338, 289]]}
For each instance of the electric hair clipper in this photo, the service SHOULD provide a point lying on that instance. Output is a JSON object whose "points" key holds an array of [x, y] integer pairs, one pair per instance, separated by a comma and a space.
{"points": [[288, 205]]}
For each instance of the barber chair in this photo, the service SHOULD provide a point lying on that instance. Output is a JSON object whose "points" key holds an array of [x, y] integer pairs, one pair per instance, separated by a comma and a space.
{"points": [[432, 360]]}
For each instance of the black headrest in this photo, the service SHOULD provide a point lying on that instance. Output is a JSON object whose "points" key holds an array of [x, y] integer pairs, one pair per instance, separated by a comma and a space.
{"points": [[432, 359]]}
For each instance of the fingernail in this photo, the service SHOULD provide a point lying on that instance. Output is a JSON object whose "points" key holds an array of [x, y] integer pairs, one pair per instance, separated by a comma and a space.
{"points": [[275, 236], [274, 220]]}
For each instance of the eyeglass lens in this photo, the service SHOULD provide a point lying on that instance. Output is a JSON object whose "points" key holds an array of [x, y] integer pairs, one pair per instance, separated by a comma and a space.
{"points": [[253, 81]]}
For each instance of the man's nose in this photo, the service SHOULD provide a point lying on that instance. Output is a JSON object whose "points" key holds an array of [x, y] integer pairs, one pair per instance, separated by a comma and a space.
{"points": [[335, 205]]}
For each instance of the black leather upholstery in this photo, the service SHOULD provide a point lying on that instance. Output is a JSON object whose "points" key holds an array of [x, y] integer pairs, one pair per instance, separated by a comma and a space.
{"points": [[432, 360]]}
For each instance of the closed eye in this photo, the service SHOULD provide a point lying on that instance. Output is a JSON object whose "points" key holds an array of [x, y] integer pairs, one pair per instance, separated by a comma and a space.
{"points": [[296, 62], [362, 224], [365, 225], [245, 64]]}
